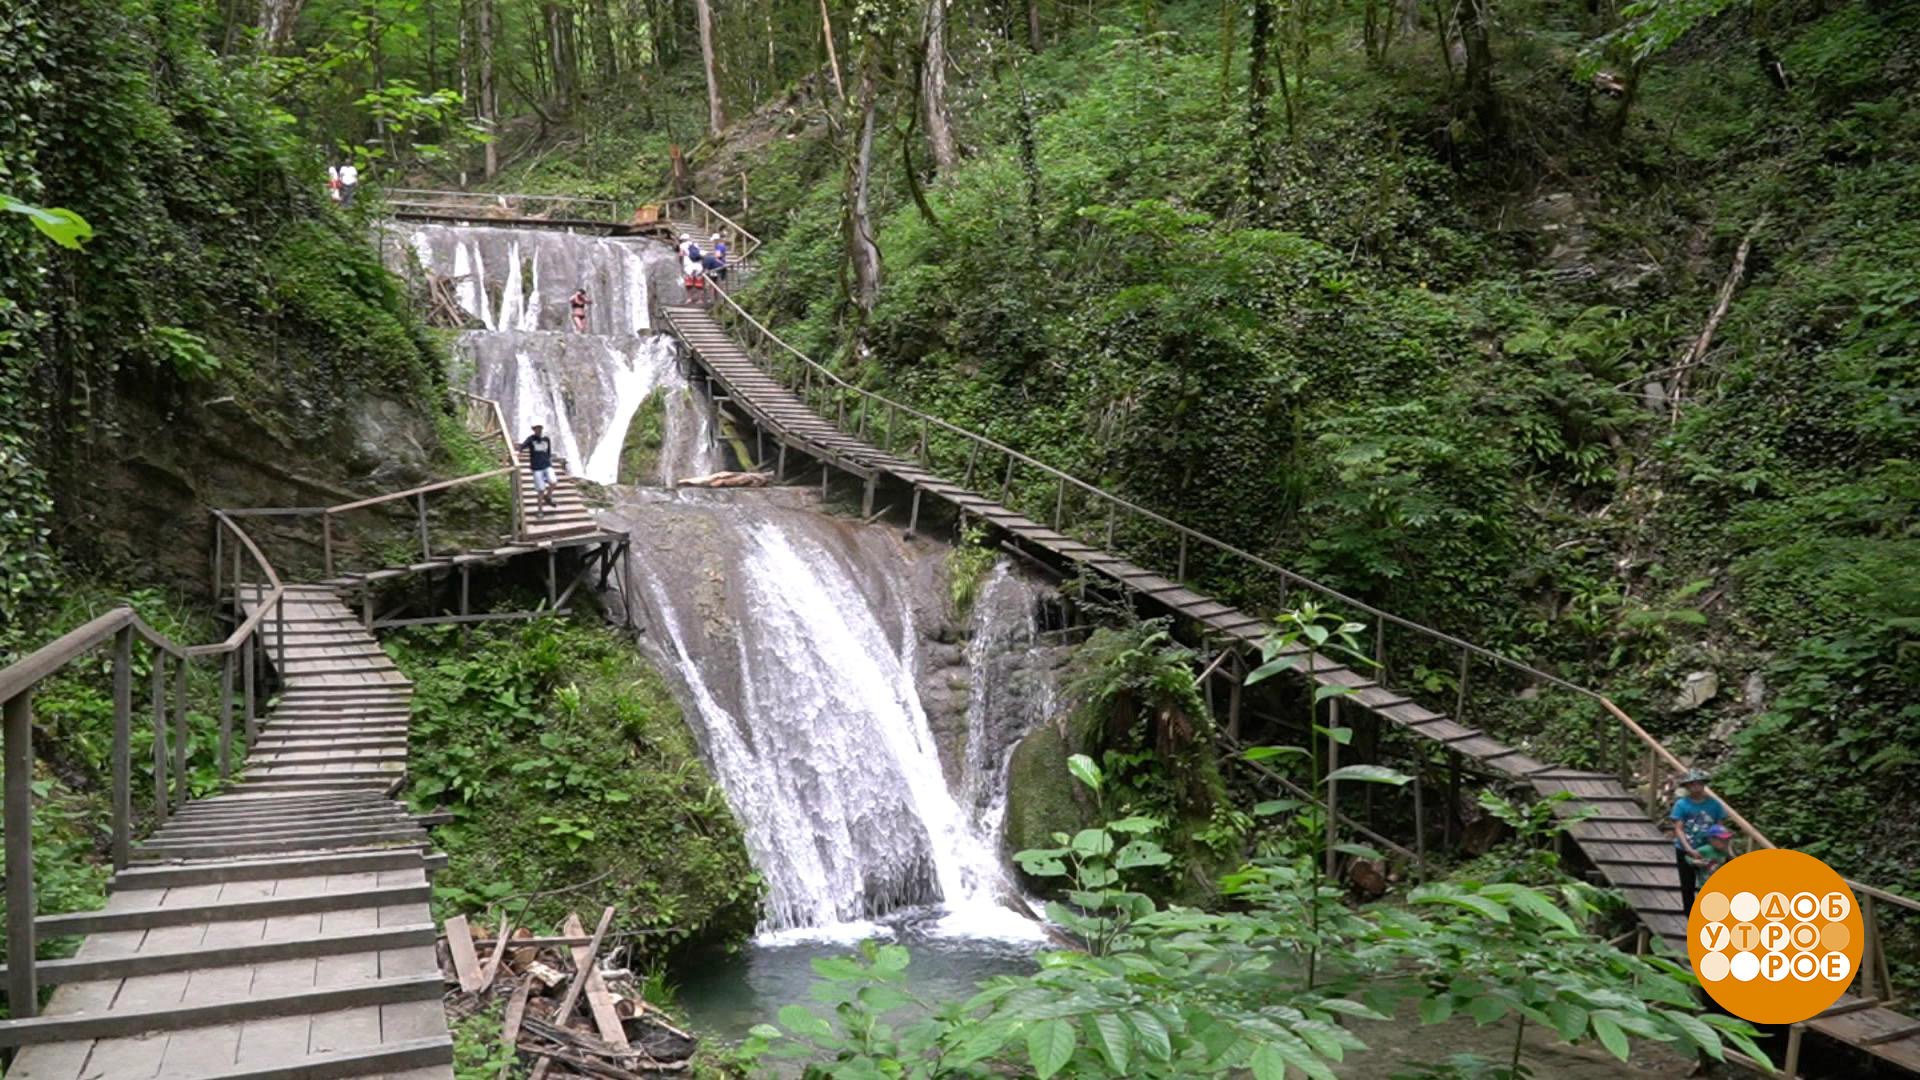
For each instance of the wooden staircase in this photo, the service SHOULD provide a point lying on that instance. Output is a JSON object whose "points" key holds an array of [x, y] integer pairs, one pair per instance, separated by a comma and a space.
{"points": [[279, 929]]}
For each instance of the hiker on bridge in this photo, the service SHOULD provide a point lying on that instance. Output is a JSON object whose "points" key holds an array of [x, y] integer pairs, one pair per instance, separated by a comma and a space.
{"points": [[716, 260], [579, 304], [1695, 815], [539, 451]]}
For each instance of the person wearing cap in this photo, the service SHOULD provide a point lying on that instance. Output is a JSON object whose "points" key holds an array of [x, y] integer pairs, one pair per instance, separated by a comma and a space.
{"points": [[715, 263], [1695, 814], [539, 451], [1715, 855]]}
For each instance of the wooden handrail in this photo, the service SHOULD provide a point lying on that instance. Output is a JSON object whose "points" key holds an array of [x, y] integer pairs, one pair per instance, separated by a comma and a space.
{"points": [[749, 242], [424, 489], [814, 370]]}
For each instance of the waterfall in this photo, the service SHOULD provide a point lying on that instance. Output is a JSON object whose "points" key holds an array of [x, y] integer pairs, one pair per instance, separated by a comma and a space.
{"points": [[804, 644], [796, 636], [513, 285]]}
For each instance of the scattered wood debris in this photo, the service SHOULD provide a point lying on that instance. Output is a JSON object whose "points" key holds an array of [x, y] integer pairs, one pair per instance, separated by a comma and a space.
{"points": [[566, 1014]]}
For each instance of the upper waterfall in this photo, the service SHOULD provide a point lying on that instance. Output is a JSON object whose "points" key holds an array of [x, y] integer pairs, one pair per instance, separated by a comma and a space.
{"points": [[510, 287]]}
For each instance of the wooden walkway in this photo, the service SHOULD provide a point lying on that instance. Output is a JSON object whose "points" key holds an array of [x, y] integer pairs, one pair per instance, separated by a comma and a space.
{"points": [[1632, 852], [277, 930]]}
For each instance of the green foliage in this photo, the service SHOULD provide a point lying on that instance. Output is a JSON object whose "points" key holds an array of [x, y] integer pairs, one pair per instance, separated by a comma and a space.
{"points": [[1262, 988], [564, 760], [60, 225], [478, 1053], [968, 563]]}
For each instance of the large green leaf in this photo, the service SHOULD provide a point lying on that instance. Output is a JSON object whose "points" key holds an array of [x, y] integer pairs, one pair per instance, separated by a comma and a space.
{"points": [[1141, 853], [62, 226], [1092, 843], [1370, 774], [1085, 771], [802, 1021], [1698, 1031], [1113, 1039], [1050, 1046], [1611, 1037], [1151, 1034], [1268, 1063], [1267, 753], [1569, 1020]]}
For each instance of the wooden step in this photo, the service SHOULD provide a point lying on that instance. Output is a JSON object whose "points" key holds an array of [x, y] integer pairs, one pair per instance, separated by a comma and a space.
{"points": [[147, 918], [122, 1023], [129, 965], [172, 876], [276, 787], [155, 851], [266, 830], [389, 1057], [267, 820]]}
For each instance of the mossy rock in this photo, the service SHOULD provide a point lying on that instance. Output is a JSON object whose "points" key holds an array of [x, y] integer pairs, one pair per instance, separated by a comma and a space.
{"points": [[1042, 797]]}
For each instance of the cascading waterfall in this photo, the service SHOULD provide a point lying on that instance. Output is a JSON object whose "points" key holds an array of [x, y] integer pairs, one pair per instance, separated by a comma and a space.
{"points": [[584, 388], [797, 636]]}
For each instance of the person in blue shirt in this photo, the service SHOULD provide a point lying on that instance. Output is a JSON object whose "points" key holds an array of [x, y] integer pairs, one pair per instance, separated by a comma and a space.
{"points": [[1694, 816]]}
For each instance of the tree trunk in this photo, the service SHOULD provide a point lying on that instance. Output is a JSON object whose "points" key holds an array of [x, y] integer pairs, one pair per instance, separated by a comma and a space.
{"points": [[716, 111], [606, 61], [489, 90], [933, 89], [1480, 93], [863, 250], [277, 19], [1259, 89], [1033, 25], [562, 48], [1229, 44], [833, 58]]}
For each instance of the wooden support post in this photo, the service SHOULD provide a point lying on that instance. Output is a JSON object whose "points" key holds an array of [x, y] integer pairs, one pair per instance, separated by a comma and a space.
{"points": [[1653, 779], [1333, 786], [366, 605], [759, 445], [1460, 690], [466, 587], [326, 540], [122, 745], [249, 660], [826, 477], [1870, 944], [219, 559], [1233, 697], [866, 498], [23, 992], [1112, 519], [226, 715], [181, 787], [1006, 485], [1059, 502], [1420, 818], [553, 579], [913, 516], [280, 638], [1180, 575], [780, 469], [1380, 649], [926, 454], [973, 458], [159, 691], [1453, 801], [1790, 1068], [426, 547]]}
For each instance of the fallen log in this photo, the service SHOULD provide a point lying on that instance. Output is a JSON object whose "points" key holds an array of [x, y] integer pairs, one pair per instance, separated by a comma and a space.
{"points": [[727, 480]]}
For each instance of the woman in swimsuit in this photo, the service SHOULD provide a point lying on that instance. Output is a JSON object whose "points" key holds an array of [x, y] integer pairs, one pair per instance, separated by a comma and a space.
{"points": [[580, 303]]}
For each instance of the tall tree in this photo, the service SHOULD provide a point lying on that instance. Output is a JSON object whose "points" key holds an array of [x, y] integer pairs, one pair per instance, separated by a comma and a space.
{"points": [[1259, 89], [716, 109], [489, 106], [277, 19], [933, 88], [1481, 97]]}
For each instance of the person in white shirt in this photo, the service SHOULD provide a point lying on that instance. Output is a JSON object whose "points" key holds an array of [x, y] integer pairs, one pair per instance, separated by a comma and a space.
{"points": [[349, 182]]}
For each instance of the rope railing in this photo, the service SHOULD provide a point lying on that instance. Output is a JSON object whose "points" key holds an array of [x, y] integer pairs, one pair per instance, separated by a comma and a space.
{"points": [[243, 654], [1115, 520]]}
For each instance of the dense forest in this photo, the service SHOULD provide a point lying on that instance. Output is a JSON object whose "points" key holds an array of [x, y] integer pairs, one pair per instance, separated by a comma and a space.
{"points": [[1587, 332]]}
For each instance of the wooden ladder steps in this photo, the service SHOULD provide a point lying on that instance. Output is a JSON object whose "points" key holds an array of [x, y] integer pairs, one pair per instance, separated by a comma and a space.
{"points": [[121, 1023], [192, 833], [130, 965]]}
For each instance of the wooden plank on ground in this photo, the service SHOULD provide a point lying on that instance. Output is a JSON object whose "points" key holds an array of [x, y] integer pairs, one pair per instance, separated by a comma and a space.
{"points": [[599, 998], [572, 998], [466, 965], [492, 968]]}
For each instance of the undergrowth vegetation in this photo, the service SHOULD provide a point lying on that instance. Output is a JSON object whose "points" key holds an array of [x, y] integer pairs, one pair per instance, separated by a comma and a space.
{"points": [[574, 784]]}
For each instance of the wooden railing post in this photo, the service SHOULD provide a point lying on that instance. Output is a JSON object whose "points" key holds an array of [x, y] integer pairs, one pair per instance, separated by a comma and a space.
{"points": [[280, 635], [122, 744], [1180, 574], [22, 990], [249, 661], [226, 714], [326, 540], [219, 557], [1869, 946], [426, 549], [1333, 763], [1460, 697], [182, 785], [159, 690], [1653, 781], [1059, 502]]}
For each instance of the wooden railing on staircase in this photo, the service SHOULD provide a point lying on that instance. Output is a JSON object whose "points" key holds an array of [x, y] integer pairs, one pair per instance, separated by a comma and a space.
{"points": [[1095, 516], [243, 656]]}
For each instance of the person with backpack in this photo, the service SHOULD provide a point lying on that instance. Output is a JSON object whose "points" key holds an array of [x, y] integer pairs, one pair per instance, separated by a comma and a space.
{"points": [[716, 260]]}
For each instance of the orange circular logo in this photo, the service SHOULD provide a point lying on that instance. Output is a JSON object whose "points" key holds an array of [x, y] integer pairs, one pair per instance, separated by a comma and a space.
{"points": [[1775, 936]]}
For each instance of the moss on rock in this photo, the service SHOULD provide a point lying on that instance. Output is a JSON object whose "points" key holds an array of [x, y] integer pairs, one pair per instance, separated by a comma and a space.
{"points": [[1042, 797]]}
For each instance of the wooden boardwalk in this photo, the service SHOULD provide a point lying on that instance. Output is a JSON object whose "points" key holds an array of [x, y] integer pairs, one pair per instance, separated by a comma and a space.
{"points": [[1632, 852], [279, 929]]}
